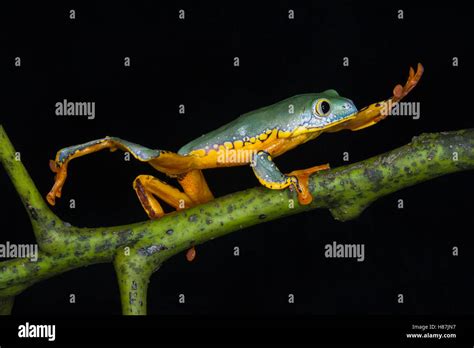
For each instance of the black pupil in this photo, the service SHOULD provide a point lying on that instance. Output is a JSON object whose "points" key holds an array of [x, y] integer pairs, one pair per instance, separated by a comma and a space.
{"points": [[324, 107]]}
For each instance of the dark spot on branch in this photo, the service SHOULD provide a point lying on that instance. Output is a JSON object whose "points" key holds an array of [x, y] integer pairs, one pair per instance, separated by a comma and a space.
{"points": [[208, 221], [123, 236], [152, 249], [193, 218], [169, 232], [83, 237], [32, 211], [103, 247], [375, 176], [52, 224], [135, 268], [134, 285], [45, 238], [78, 253], [262, 216], [431, 155]]}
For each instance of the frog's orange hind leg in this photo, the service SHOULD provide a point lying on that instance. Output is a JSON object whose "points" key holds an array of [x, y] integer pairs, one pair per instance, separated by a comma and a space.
{"points": [[167, 162], [196, 192], [146, 186], [195, 186]]}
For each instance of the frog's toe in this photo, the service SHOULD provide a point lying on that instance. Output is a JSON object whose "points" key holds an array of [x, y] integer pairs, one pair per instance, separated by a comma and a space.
{"points": [[53, 166], [399, 92], [59, 180], [191, 254], [304, 196]]}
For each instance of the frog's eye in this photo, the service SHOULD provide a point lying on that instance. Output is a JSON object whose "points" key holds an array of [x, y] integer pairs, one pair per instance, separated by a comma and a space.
{"points": [[322, 107]]}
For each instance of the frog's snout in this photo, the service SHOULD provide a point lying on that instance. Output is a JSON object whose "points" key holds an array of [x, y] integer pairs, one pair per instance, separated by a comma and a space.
{"points": [[349, 109]]}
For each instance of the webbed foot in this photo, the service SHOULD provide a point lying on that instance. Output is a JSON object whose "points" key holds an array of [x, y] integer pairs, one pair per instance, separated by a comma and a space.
{"points": [[301, 182]]}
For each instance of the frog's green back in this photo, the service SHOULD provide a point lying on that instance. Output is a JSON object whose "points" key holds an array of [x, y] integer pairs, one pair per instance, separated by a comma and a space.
{"points": [[275, 116]]}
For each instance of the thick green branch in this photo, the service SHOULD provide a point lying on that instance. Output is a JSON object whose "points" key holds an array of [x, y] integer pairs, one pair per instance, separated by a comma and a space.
{"points": [[139, 249]]}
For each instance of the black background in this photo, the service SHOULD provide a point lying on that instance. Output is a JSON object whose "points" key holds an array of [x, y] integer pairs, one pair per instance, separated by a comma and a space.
{"points": [[191, 62]]}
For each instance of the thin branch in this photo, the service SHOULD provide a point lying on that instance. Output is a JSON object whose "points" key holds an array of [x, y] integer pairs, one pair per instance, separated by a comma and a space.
{"points": [[138, 250], [6, 305]]}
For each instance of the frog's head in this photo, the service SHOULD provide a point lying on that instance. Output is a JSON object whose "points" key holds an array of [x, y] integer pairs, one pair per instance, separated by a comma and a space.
{"points": [[328, 109]]}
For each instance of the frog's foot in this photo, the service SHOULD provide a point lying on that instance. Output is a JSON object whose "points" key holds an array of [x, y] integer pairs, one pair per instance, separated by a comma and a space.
{"points": [[148, 187], [376, 112], [59, 180], [399, 92], [167, 162], [270, 176], [301, 182]]}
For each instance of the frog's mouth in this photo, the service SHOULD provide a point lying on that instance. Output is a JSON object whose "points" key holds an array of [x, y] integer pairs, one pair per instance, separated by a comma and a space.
{"points": [[343, 120], [339, 124]]}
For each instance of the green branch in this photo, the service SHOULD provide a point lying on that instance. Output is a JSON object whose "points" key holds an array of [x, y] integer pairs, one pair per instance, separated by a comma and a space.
{"points": [[138, 250]]}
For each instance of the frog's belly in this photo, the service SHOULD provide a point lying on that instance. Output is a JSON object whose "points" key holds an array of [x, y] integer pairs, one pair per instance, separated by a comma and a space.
{"points": [[242, 154], [222, 157]]}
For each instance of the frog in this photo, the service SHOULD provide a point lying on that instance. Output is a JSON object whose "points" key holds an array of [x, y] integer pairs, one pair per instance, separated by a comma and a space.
{"points": [[253, 139]]}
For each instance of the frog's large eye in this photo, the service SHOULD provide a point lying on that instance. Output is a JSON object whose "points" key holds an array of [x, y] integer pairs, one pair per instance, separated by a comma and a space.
{"points": [[322, 107]]}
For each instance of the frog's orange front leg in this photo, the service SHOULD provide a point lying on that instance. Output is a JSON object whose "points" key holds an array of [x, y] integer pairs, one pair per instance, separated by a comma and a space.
{"points": [[270, 176], [376, 112]]}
